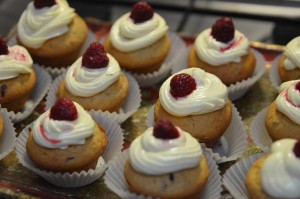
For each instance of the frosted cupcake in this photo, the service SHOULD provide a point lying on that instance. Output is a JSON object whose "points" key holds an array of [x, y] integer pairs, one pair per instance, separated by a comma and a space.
{"points": [[52, 32]]}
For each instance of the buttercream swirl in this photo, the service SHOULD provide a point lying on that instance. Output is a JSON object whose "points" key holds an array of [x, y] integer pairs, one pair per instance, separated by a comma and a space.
{"points": [[210, 95], [292, 54], [280, 174], [38, 25], [55, 134], [127, 36], [154, 156], [217, 53], [85, 82], [288, 101], [18, 61]]}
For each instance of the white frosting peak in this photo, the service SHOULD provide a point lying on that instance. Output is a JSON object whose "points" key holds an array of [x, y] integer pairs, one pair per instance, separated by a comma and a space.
{"points": [[54, 134], [154, 156], [292, 53], [127, 36], [85, 82], [280, 174], [38, 25], [210, 95], [217, 53]]}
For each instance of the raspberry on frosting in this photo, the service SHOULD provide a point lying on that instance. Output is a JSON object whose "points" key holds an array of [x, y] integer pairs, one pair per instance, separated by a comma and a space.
{"points": [[141, 12], [64, 109], [95, 56], [296, 149], [39, 4], [3, 47], [164, 129], [223, 30], [182, 85], [298, 86]]}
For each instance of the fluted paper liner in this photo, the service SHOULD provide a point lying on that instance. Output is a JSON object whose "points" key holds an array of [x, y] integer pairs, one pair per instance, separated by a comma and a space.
{"points": [[274, 74], [54, 72], [76, 179], [177, 49], [235, 177], [258, 131], [43, 81], [238, 89], [8, 137], [233, 142], [114, 178], [131, 104]]}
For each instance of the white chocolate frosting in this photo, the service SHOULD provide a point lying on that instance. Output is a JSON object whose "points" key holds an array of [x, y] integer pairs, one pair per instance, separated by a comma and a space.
{"points": [[280, 173], [85, 82], [60, 134], [292, 53], [127, 36], [217, 53], [153, 156], [288, 101], [18, 61], [210, 95], [39, 25]]}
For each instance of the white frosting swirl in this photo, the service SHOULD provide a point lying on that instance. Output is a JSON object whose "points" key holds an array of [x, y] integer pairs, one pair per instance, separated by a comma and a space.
{"points": [[38, 25], [217, 53], [280, 174], [18, 61], [127, 36], [288, 101], [292, 53], [55, 134], [154, 156], [85, 82], [210, 95]]}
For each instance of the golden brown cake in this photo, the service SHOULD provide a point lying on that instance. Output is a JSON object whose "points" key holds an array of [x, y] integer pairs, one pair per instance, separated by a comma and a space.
{"points": [[287, 75], [52, 147], [58, 45], [1, 125], [224, 52], [139, 40], [95, 85]]}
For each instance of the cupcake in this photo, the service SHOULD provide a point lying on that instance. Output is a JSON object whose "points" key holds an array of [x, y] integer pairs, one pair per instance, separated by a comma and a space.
{"points": [[17, 77], [224, 52], [95, 81], [52, 32], [289, 64], [276, 174], [283, 115], [65, 139], [162, 160], [139, 40], [197, 102]]}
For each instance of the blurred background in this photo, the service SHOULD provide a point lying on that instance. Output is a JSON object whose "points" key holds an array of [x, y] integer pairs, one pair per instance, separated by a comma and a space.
{"points": [[268, 21]]}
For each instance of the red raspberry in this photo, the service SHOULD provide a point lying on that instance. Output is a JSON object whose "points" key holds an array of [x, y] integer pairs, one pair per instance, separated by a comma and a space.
{"points": [[182, 85], [298, 86], [3, 47], [164, 129], [141, 12], [223, 29], [63, 109], [296, 149], [95, 56], [39, 4]]}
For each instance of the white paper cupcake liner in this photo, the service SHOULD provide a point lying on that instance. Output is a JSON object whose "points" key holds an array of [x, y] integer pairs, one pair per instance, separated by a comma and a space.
{"points": [[130, 106], [54, 72], [43, 81], [8, 137], [274, 74], [237, 90], [177, 49], [235, 177], [232, 144], [258, 131], [76, 179], [114, 178]]}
